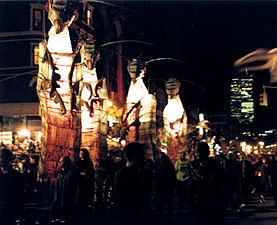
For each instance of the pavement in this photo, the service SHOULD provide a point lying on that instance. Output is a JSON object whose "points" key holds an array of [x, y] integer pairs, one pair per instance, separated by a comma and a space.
{"points": [[254, 213]]}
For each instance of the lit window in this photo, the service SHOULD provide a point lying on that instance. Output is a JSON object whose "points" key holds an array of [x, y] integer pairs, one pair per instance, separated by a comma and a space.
{"points": [[35, 54], [37, 19], [89, 17]]}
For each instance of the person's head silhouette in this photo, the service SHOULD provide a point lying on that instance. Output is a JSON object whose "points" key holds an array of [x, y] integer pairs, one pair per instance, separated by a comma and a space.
{"points": [[6, 157], [64, 164], [134, 154], [84, 154], [203, 151]]}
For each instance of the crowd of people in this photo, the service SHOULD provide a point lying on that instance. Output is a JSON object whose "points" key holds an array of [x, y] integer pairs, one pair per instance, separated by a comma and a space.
{"points": [[142, 191]]}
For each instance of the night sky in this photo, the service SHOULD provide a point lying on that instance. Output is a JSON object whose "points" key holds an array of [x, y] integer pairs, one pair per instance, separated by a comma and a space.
{"points": [[208, 35]]}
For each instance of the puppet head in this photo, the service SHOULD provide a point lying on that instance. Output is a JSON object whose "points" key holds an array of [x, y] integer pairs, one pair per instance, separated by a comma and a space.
{"points": [[61, 13]]}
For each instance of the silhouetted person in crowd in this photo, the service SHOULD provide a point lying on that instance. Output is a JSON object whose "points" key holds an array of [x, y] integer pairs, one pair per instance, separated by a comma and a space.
{"points": [[111, 169], [261, 178], [32, 147], [233, 173], [11, 190], [102, 174], [150, 171], [130, 186], [165, 185], [86, 181], [272, 171], [207, 187], [181, 168], [30, 172], [66, 194], [247, 178]]}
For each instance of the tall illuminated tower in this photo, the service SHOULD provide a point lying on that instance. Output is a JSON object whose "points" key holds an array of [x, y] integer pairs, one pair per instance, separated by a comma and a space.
{"points": [[241, 99]]}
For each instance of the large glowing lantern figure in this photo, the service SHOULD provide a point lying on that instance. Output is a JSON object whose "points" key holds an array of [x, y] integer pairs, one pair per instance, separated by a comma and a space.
{"points": [[61, 68], [94, 97], [175, 118], [140, 112]]}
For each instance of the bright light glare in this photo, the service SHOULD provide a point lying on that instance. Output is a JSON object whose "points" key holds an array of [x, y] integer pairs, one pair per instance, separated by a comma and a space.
{"points": [[109, 103], [201, 117], [24, 133], [123, 142], [243, 144], [248, 148], [173, 111]]}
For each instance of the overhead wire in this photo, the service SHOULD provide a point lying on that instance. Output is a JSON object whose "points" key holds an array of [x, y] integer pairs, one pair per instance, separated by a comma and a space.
{"points": [[19, 75], [14, 74]]}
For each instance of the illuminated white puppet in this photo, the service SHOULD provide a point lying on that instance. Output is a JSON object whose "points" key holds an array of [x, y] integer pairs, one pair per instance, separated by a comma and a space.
{"points": [[94, 101], [140, 113], [174, 119], [65, 69], [174, 114]]}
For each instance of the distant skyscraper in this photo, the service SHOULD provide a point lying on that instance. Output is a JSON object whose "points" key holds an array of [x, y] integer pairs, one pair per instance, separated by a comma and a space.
{"points": [[242, 101]]}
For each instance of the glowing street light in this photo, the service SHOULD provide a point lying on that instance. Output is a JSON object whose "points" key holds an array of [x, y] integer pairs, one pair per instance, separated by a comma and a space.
{"points": [[243, 146]]}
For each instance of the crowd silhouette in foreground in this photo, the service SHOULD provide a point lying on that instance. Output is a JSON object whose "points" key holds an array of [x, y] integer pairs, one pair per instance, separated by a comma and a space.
{"points": [[141, 191]]}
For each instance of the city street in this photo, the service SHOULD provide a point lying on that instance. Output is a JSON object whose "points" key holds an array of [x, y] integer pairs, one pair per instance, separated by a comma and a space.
{"points": [[254, 213], [138, 112]]}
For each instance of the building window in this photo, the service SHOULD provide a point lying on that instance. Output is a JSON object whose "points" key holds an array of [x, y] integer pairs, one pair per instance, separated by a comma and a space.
{"points": [[37, 19], [35, 55], [89, 17]]}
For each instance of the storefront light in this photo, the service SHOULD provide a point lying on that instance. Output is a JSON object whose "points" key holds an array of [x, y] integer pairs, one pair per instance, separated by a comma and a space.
{"points": [[261, 143]]}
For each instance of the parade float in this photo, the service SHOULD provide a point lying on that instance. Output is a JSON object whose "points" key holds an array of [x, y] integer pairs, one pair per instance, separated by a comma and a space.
{"points": [[71, 99], [75, 107], [140, 109], [175, 119]]}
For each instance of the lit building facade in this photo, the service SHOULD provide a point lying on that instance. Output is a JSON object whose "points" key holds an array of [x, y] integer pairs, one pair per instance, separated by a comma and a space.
{"points": [[242, 100]]}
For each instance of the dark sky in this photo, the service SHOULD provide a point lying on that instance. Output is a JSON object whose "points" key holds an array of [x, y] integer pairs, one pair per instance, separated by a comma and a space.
{"points": [[208, 35]]}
